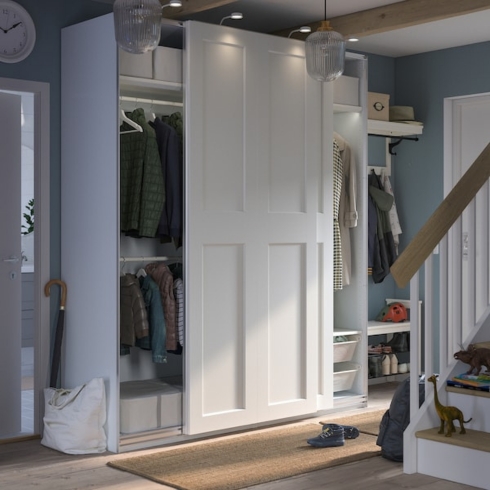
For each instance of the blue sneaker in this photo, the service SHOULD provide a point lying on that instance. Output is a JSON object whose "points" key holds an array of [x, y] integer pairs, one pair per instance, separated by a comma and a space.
{"points": [[329, 437], [350, 432]]}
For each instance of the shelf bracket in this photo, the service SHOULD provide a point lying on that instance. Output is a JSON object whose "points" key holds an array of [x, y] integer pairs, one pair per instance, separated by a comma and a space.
{"points": [[399, 139]]}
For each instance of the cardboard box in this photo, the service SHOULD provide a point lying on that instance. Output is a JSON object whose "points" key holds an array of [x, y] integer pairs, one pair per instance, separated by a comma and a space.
{"points": [[346, 91], [135, 65], [167, 64], [378, 106]]}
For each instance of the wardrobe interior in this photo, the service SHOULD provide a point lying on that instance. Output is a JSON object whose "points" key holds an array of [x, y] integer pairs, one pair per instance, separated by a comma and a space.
{"points": [[151, 254]]}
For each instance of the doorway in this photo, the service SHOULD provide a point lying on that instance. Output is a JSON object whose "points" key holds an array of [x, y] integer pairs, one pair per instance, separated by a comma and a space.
{"points": [[465, 137], [34, 320]]}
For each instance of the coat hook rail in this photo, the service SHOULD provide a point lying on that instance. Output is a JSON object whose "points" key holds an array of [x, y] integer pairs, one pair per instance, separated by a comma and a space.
{"points": [[399, 139]]}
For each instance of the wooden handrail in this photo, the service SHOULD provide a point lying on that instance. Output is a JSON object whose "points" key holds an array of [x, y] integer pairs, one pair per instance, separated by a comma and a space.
{"points": [[436, 227]]}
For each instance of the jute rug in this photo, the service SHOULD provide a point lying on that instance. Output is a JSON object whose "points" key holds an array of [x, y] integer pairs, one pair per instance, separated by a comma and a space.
{"points": [[239, 461]]}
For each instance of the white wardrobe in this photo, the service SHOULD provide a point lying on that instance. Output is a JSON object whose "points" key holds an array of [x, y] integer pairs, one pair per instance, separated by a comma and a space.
{"points": [[257, 251]]}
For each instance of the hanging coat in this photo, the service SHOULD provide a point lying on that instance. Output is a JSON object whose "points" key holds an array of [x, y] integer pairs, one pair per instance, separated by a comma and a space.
{"points": [[142, 190], [382, 253]]}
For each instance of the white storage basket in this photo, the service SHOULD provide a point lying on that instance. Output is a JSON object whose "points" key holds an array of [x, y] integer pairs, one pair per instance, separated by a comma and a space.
{"points": [[344, 376], [344, 351]]}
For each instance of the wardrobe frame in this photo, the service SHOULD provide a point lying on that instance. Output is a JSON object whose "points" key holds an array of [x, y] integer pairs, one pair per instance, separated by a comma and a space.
{"points": [[89, 167]]}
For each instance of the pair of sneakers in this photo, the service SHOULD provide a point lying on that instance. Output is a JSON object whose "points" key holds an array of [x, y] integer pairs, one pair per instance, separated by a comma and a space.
{"points": [[333, 435]]}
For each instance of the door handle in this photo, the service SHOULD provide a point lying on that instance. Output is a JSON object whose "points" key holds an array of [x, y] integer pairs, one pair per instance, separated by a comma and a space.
{"points": [[12, 259]]}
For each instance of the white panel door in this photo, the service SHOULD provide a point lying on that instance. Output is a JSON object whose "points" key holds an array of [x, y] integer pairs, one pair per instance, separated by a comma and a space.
{"points": [[252, 297], [10, 266], [289, 171], [469, 137], [221, 196]]}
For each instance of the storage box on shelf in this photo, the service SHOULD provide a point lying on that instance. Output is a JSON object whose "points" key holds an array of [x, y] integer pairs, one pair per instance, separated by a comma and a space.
{"points": [[167, 64], [378, 106], [346, 91], [135, 65], [149, 405]]}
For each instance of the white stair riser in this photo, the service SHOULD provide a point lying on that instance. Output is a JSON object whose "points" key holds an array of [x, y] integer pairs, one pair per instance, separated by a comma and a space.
{"points": [[453, 463], [475, 407]]}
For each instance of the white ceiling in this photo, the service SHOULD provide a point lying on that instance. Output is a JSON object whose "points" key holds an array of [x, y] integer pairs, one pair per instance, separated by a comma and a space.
{"points": [[272, 15]]}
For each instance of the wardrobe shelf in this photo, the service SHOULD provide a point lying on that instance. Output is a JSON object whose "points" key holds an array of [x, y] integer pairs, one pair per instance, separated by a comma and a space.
{"points": [[344, 331], [338, 108], [381, 328], [394, 129], [144, 87]]}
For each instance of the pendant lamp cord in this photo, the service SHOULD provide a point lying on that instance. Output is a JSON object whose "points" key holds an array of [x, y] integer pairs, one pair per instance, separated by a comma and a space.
{"points": [[325, 9]]}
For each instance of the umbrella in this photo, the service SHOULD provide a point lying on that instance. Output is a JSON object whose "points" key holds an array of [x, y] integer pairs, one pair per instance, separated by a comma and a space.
{"points": [[55, 363]]}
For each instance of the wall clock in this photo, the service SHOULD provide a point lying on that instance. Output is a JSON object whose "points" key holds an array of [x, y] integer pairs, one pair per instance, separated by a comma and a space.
{"points": [[17, 32]]}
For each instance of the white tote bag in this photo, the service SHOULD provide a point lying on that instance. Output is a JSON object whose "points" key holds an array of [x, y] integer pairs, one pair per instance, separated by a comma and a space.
{"points": [[74, 419]]}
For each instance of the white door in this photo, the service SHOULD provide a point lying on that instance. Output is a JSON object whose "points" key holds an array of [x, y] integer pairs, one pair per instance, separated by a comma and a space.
{"points": [[469, 119], [10, 266], [253, 155]]}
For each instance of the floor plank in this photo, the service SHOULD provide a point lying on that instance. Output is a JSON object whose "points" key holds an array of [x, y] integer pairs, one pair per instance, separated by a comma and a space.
{"points": [[28, 465]]}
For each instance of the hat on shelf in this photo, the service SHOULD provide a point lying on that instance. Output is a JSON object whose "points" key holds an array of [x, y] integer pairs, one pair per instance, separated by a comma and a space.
{"points": [[403, 114]]}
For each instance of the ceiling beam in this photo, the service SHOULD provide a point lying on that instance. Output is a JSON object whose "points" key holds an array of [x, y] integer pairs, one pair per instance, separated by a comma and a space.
{"points": [[190, 7], [396, 16]]}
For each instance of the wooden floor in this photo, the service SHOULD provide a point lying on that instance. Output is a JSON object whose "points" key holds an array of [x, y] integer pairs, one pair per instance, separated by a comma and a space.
{"points": [[29, 465]]}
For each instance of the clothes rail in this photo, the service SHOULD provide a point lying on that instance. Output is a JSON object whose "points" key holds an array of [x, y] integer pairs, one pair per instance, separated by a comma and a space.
{"points": [[138, 100], [148, 259]]}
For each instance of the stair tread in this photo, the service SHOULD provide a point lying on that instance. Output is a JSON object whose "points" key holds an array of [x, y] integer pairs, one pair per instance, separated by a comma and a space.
{"points": [[468, 391], [473, 439]]}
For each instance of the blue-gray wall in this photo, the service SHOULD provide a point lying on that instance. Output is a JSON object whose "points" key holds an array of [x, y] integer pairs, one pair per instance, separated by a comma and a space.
{"points": [[43, 65], [381, 79], [421, 81]]}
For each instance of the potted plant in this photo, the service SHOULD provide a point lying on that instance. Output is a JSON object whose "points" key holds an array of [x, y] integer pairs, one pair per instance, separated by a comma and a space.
{"points": [[29, 218], [27, 234]]}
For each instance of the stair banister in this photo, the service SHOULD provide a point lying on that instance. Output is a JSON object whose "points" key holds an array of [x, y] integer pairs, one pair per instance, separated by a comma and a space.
{"points": [[443, 228], [439, 223]]}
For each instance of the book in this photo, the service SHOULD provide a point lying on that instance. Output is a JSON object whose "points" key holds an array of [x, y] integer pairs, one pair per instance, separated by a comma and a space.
{"points": [[479, 382], [458, 384], [473, 380]]}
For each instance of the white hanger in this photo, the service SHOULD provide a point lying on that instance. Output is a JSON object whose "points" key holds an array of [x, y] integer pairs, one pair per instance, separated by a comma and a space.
{"points": [[137, 127], [141, 273]]}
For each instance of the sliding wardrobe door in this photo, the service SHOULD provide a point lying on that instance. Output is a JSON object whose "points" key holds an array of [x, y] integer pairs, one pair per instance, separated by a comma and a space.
{"points": [[253, 152], [289, 175]]}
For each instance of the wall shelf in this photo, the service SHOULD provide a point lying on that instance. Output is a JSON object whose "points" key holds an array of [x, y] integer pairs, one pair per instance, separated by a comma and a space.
{"points": [[393, 129], [382, 328], [389, 130]]}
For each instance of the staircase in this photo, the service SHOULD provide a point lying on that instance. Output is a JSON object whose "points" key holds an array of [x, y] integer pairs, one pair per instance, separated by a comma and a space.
{"points": [[457, 312]]}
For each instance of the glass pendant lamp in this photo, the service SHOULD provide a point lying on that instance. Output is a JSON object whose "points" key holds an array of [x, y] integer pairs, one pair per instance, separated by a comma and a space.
{"points": [[137, 24], [325, 53]]}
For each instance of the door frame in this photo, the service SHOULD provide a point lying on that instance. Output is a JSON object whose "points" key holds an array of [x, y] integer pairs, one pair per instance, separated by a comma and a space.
{"points": [[42, 331], [457, 156]]}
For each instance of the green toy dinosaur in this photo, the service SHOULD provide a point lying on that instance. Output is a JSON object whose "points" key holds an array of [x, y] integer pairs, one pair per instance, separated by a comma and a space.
{"points": [[447, 414]]}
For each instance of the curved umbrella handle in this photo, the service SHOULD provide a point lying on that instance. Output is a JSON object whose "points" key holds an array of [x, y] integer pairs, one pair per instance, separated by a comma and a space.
{"points": [[62, 285]]}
